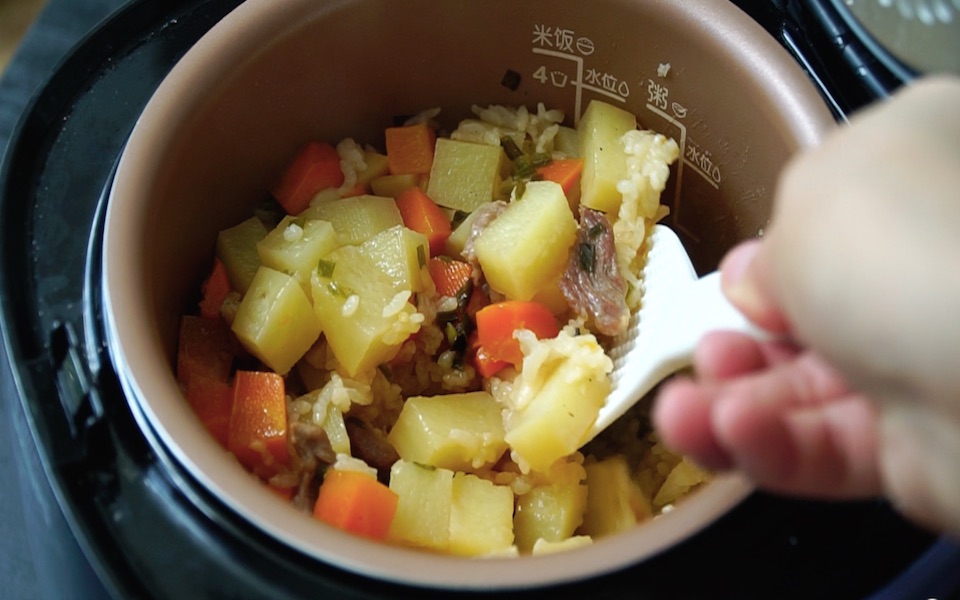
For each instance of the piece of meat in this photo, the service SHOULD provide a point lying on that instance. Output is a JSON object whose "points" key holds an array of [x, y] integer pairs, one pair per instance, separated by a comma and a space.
{"points": [[311, 445], [312, 448], [592, 282], [371, 446]]}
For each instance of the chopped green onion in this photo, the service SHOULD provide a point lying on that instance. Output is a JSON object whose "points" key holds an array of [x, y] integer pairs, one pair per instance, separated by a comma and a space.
{"points": [[339, 290], [520, 189], [421, 256], [510, 147], [325, 268], [458, 217], [523, 167], [541, 159], [451, 333]]}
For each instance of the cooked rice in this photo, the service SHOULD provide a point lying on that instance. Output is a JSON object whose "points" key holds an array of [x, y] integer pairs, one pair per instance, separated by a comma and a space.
{"points": [[377, 397]]}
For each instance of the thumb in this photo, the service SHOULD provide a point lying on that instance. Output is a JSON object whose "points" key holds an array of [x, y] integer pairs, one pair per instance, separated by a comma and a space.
{"points": [[743, 276]]}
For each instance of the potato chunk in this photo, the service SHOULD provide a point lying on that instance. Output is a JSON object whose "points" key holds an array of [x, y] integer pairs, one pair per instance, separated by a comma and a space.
{"points": [[525, 249], [462, 432], [364, 316], [481, 516], [550, 513], [401, 254], [295, 246], [237, 250], [604, 158], [556, 398], [358, 218], [275, 321], [615, 502], [464, 175], [424, 497], [682, 478]]}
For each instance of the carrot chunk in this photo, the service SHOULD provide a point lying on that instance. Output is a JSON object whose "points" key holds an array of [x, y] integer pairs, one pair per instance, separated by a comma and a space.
{"points": [[315, 168], [485, 365], [565, 171], [214, 290], [422, 215], [357, 503], [258, 422], [497, 322], [410, 149], [205, 348], [212, 401], [449, 275]]}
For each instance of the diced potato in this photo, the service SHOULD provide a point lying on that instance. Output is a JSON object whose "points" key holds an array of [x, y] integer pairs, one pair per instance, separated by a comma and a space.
{"points": [[275, 321], [527, 246], [604, 157], [365, 318], [615, 502], [549, 512], [401, 254], [295, 246], [551, 296], [377, 166], [357, 218], [465, 174], [424, 498], [458, 237], [462, 432], [576, 541], [393, 185], [322, 197], [237, 249], [556, 398], [681, 479], [567, 141], [481, 516]]}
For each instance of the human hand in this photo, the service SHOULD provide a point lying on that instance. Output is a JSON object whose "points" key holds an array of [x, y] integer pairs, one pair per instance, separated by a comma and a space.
{"points": [[861, 267]]}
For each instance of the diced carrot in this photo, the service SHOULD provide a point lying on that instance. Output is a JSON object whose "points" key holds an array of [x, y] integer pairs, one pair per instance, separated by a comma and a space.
{"points": [[212, 401], [315, 168], [449, 274], [497, 322], [566, 172], [214, 290], [422, 215], [258, 422], [487, 367], [204, 348], [356, 502], [410, 149]]}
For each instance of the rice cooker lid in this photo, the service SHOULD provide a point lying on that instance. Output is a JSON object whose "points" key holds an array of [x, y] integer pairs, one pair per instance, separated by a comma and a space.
{"points": [[907, 36]]}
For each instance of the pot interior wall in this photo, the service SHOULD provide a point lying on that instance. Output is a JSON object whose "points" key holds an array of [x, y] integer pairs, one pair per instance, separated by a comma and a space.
{"points": [[353, 68], [266, 81]]}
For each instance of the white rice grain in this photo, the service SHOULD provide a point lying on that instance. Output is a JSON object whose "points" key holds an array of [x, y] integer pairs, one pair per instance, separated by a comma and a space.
{"points": [[293, 233], [350, 306]]}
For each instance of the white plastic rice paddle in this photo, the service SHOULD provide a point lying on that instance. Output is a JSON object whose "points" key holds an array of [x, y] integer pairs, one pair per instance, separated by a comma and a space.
{"points": [[676, 310]]}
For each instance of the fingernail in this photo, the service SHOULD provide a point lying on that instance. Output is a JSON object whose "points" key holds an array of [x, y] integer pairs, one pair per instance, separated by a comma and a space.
{"points": [[737, 286]]}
